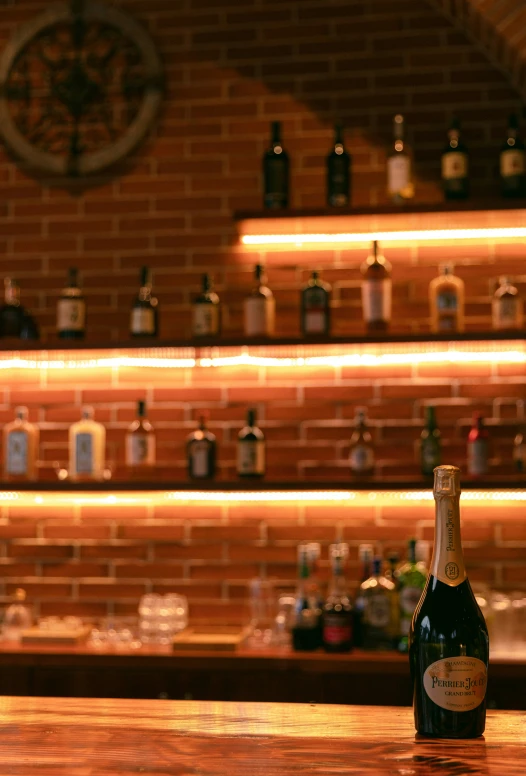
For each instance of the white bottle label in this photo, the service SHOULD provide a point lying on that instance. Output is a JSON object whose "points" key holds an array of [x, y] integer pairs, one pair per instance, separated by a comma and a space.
{"points": [[142, 321], [259, 316], [456, 683], [454, 165], [376, 300], [251, 457], [507, 313], [512, 162], [140, 449], [205, 320], [361, 458], [447, 308], [71, 314], [84, 453], [398, 173], [17, 452], [314, 322], [478, 456], [199, 455]]}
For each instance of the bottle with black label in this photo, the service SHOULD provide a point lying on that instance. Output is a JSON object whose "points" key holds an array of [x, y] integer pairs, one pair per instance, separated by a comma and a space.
{"points": [[506, 306], [361, 456], [20, 447], [144, 313], [478, 447], [455, 164], [206, 319], [380, 614], [376, 291], [338, 172], [400, 184], [87, 445], [513, 162], [71, 309], [446, 300], [448, 638], [251, 449], [315, 307], [140, 440], [411, 578], [201, 452], [15, 320], [429, 444], [337, 610], [259, 307], [275, 172], [305, 630]]}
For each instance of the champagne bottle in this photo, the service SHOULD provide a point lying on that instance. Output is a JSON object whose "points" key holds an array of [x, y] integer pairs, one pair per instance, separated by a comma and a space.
{"points": [[506, 306], [446, 300], [251, 449], [71, 309], [144, 313], [201, 452], [376, 291], [448, 638], [429, 444], [140, 440], [338, 172], [400, 186], [259, 307], [206, 311], [513, 162], [455, 180], [275, 172], [315, 307]]}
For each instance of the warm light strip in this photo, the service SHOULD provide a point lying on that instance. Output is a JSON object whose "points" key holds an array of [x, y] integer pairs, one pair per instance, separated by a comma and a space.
{"points": [[424, 235], [98, 363]]}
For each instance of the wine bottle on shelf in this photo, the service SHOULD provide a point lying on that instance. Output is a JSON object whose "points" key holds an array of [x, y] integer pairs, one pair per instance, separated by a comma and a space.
{"points": [[455, 164], [376, 291], [71, 309], [478, 446], [314, 553], [251, 448], [365, 558], [275, 172], [140, 440], [446, 300], [15, 320], [315, 307], [20, 447], [400, 185], [206, 311], [259, 307], [338, 172], [506, 306], [519, 451], [380, 615], [448, 638], [429, 444], [513, 162], [144, 313], [361, 455], [201, 452], [412, 577], [337, 609], [305, 630], [87, 443]]}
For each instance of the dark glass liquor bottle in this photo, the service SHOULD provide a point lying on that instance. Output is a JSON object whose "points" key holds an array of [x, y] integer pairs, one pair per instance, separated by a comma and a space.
{"points": [[15, 320], [513, 162], [259, 308], [201, 452], [251, 448], [429, 444], [305, 630], [506, 307], [315, 307], [275, 172], [140, 440], [338, 172], [455, 171], [400, 184], [365, 556], [376, 291], [144, 313], [71, 309], [337, 610], [448, 639], [206, 311]]}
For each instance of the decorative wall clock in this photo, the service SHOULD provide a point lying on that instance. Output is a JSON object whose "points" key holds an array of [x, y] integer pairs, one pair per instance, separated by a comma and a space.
{"points": [[80, 86]]}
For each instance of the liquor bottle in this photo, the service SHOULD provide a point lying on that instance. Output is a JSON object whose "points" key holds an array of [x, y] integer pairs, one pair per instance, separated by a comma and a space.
{"points": [[519, 451], [446, 300], [20, 447], [380, 614], [429, 444], [376, 291], [206, 311], [259, 307], [71, 309], [315, 307], [478, 447], [455, 165], [314, 587], [338, 172], [411, 577], [400, 186], [361, 456], [87, 442], [448, 638], [337, 610], [144, 313], [201, 452], [18, 617], [140, 440], [275, 172], [15, 320], [506, 306], [305, 631], [251, 449], [365, 557], [513, 162]]}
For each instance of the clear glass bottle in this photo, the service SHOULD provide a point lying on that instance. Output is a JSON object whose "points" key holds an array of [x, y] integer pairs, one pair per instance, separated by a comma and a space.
{"points": [[376, 291], [455, 164], [519, 451], [15, 320], [71, 309], [259, 307], [201, 452], [411, 577], [251, 448], [20, 447], [87, 443], [275, 172], [380, 615], [337, 609], [140, 440], [400, 185], [430, 448], [446, 300], [365, 558], [18, 617], [144, 316], [305, 631], [506, 306], [316, 308], [478, 447], [512, 162], [361, 455], [338, 172], [206, 318]]}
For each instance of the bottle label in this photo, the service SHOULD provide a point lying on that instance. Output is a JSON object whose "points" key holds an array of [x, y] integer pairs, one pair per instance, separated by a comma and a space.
{"points": [[478, 456], [398, 173], [507, 313], [378, 611], [205, 320], [456, 683], [251, 457], [454, 165], [17, 452], [142, 321], [315, 312], [512, 163], [71, 314], [259, 316], [361, 458], [199, 453], [336, 632], [140, 449], [84, 454], [376, 298], [447, 563]]}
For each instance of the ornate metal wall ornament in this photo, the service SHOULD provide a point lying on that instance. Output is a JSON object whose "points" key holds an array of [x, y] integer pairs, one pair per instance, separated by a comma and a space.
{"points": [[80, 86]]}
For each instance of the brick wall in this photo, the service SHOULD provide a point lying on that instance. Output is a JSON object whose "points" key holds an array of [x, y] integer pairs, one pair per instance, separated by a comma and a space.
{"points": [[230, 70]]}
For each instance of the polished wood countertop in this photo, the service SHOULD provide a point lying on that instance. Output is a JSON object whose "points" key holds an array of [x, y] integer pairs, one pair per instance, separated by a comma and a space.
{"points": [[92, 737]]}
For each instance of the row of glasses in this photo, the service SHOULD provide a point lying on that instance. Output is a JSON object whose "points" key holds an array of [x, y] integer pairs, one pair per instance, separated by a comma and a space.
{"points": [[161, 617]]}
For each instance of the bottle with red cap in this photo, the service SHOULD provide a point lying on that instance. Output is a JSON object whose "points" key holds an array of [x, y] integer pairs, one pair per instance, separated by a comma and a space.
{"points": [[478, 446]]}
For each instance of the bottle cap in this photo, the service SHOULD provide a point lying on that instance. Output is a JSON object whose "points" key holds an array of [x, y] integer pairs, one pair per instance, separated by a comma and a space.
{"points": [[88, 413], [447, 481], [361, 415], [141, 408], [21, 413], [446, 269], [339, 550]]}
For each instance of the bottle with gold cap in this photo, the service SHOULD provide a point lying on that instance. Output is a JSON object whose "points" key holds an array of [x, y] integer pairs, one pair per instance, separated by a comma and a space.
{"points": [[18, 617], [448, 638]]}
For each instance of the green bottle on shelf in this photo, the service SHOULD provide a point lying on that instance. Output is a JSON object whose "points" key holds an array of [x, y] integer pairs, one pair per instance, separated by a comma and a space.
{"points": [[411, 578]]}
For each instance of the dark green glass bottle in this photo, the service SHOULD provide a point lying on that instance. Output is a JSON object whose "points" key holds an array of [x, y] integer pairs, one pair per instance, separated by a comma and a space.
{"points": [[275, 172], [455, 173], [429, 444], [338, 172], [448, 638], [512, 162]]}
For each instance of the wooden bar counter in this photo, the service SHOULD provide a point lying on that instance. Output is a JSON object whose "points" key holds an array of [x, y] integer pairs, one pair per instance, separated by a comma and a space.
{"points": [[92, 737]]}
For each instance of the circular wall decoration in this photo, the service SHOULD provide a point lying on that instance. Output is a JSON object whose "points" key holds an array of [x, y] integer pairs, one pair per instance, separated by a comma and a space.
{"points": [[80, 86]]}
